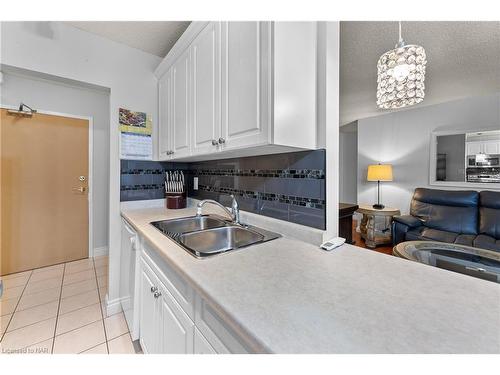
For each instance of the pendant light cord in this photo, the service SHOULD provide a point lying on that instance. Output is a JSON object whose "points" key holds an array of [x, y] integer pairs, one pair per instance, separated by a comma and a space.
{"points": [[401, 42]]}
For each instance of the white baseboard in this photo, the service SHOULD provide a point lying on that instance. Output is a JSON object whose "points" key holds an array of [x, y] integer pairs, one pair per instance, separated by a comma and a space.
{"points": [[100, 251], [113, 306]]}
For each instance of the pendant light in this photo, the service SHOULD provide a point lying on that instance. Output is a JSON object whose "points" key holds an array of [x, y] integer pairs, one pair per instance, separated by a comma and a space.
{"points": [[401, 75]]}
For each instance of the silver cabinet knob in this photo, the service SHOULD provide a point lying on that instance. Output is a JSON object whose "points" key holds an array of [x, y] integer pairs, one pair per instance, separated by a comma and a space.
{"points": [[157, 294], [154, 289], [222, 140], [214, 142]]}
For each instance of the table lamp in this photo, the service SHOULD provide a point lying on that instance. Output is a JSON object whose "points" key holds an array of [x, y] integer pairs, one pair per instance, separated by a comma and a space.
{"points": [[379, 172]]}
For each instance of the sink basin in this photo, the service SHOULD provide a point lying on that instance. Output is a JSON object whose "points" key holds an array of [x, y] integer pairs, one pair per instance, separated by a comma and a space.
{"points": [[188, 224], [207, 235], [219, 240]]}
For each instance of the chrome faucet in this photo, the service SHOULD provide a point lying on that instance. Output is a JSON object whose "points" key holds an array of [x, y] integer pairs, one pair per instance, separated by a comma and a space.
{"points": [[234, 214]]}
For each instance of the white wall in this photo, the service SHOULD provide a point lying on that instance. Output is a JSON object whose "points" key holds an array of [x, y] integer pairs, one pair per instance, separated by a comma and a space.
{"points": [[50, 95], [348, 163], [328, 117], [403, 140], [61, 50]]}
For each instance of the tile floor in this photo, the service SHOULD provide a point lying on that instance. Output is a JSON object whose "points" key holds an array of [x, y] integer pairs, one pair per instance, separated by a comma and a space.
{"points": [[60, 309]]}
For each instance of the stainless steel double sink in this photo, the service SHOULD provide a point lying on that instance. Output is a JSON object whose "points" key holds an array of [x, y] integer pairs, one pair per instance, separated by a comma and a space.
{"points": [[208, 235]]}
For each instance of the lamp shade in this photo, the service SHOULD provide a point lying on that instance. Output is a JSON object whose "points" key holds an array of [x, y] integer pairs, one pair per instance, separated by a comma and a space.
{"points": [[379, 172]]}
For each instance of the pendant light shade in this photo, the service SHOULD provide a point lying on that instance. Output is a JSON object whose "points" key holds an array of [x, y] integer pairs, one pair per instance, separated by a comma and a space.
{"points": [[401, 75]]}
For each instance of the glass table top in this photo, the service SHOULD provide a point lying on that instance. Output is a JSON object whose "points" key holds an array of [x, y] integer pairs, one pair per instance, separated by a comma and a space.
{"points": [[483, 264]]}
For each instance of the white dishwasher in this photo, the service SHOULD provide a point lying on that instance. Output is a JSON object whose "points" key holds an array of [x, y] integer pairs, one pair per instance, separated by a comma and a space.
{"points": [[129, 273]]}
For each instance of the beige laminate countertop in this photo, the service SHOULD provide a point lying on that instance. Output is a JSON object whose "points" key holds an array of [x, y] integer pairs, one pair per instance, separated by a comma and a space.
{"points": [[287, 296]]}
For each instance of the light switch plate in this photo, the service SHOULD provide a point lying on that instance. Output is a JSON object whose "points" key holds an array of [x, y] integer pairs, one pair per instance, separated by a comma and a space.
{"points": [[195, 183]]}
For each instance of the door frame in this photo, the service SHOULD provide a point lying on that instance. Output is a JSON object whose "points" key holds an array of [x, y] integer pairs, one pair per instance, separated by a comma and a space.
{"points": [[90, 177]]}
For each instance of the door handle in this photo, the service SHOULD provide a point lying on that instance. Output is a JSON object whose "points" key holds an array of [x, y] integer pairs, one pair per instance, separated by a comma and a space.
{"points": [[81, 189]]}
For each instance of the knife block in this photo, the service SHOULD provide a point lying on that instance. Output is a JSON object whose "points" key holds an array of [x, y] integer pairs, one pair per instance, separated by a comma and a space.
{"points": [[175, 201]]}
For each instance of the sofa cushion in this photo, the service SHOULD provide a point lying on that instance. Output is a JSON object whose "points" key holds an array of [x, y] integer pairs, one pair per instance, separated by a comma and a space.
{"points": [[465, 239], [424, 233], [489, 213], [487, 242], [449, 211], [408, 220]]}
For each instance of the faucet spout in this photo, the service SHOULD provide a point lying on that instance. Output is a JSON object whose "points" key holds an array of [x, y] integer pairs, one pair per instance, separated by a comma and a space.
{"points": [[234, 214]]}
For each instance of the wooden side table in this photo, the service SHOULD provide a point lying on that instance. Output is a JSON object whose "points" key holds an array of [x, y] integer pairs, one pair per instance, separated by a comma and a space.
{"points": [[376, 225]]}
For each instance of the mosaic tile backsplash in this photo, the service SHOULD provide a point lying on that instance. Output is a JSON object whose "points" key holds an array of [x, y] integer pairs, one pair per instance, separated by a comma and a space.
{"points": [[287, 186]]}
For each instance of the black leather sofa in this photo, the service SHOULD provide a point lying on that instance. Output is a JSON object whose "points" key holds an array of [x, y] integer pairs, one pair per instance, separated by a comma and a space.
{"points": [[468, 218]]}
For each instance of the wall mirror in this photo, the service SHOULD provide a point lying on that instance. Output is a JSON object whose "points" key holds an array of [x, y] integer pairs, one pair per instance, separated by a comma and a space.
{"points": [[461, 158]]}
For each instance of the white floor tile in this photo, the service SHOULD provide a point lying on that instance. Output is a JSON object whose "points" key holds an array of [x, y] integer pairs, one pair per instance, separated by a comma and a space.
{"points": [[121, 345], [78, 318], [80, 339], [115, 326], [99, 349], [79, 276], [16, 275], [31, 300], [29, 335], [78, 301], [33, 315], [4, 321], [7, 306], [40, 286], [79, 287]]}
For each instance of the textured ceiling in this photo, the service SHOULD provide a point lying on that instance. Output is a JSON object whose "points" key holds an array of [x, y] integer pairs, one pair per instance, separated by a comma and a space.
{"points": [[463, 59], [153, 37]]}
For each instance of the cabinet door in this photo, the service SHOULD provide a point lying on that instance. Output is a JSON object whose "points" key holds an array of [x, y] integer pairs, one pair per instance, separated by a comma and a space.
{"points": [[180, 106], [205, 78], [474, 148], [201, 345], [491, 147], [149, 317], [165, 111], [246, 84], [177, 330]]}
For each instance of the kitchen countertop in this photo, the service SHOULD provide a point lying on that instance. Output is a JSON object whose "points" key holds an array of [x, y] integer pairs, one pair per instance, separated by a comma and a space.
{"points": [[288, 296]]}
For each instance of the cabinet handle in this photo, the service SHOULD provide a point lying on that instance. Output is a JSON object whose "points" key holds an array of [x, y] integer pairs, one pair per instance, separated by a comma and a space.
{"points": [[157, 294], [214, 142], [154, 289], [222, 140]]}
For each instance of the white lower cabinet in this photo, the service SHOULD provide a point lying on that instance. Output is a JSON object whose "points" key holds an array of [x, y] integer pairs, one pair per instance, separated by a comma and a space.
{"points": [[176, 320], [201, 345], [164, 327], [149, 311], [177, 330]]}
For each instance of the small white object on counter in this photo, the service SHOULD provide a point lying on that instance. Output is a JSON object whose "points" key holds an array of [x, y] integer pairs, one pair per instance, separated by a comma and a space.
{"points": [[333, 243]]}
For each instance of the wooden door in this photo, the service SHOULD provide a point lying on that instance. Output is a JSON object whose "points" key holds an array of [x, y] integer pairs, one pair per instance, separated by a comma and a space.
{"points": [[177, 330], [246, 84], [205, 85], [181, 107], [44, 204]]}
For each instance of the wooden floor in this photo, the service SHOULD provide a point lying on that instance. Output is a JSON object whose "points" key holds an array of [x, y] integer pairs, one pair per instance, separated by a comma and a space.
{"points": [[356, 237]]}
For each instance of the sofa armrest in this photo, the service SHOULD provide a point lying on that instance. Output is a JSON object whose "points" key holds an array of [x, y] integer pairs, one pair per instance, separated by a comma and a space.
{"points": [[408, 220]]}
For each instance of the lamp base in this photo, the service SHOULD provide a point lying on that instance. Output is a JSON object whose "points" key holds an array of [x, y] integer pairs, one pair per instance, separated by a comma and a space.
{"points": [[378, 206]]}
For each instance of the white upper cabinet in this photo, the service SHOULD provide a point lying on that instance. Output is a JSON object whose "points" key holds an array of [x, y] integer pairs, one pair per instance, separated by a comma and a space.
{"points": [[491, 147], [205, 76], [239, 88], [483, 147], [246, 85], [165, 112], [181, 107]]}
